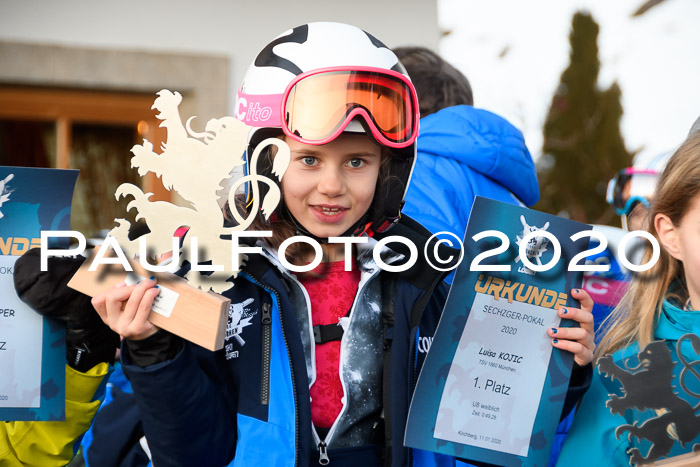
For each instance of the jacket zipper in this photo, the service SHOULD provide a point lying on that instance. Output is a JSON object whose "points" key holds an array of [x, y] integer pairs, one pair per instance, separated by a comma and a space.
{"points": [[323, 454], [323, 458], [291, 367], [322, 443], [266, 349]]}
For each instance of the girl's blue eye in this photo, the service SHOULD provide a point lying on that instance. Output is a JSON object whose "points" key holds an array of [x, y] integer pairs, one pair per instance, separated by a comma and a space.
{"points": [[308, 160], [356, 163]]}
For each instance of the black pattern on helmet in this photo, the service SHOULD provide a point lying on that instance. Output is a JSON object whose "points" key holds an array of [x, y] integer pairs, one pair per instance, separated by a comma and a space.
{"points": [[316, 46], [267, 56]]}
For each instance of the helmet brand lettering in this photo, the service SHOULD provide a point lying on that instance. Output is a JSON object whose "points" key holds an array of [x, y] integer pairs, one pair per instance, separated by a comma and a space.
{"points": [[253, 113], [241, 104]]}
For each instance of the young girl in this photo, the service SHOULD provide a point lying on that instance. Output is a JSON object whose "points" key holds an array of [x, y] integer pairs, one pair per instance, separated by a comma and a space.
{"points": [[320, 366], [659, 404]]}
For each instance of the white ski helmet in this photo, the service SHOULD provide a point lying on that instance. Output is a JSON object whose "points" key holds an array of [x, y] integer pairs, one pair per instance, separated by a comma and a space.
{"points": [[321, 79]]}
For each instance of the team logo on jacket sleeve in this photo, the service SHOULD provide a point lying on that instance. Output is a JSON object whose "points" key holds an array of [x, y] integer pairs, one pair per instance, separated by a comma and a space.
{"points": [[239, 317], [649, 386]]}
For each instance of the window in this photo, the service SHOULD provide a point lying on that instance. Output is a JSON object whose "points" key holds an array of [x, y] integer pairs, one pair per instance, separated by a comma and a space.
{"points": [[92, 131]]}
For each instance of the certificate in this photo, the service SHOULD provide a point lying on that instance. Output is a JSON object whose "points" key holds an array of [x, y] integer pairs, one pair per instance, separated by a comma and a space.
{"points": [[492, 386], [32, 348]]}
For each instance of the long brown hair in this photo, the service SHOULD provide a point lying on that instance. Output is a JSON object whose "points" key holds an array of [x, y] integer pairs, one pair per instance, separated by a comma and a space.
{"points": [[634, 319]]}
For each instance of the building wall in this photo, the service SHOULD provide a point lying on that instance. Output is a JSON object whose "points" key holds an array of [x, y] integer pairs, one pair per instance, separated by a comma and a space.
{"points": [[199, 48]]}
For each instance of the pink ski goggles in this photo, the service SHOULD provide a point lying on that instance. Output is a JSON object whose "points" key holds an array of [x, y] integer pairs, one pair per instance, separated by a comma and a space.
{"points": [[642, 185], [317, 106]]}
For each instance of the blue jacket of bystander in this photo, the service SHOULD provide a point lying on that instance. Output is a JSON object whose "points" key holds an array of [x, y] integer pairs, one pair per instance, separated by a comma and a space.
{"points": [[465, 152]]}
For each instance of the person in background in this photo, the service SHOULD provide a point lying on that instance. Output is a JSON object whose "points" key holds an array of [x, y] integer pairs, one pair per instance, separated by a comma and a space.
{"points": [[90, 351], [606, 288], [116, 437], [463, 152], [630, 193], [643, 402]]}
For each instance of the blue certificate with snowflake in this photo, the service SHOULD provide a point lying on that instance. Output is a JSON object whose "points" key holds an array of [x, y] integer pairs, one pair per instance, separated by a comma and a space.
{"points": [[492, 386], [32, 348]]}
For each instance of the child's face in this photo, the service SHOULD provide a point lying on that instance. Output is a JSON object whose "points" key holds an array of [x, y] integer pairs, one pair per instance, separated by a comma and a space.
{"points": [[328, 188], [688, 244]]}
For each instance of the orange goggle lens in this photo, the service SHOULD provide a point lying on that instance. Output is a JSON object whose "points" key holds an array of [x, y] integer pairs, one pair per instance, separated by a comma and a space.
{"points": [[318, 105]]}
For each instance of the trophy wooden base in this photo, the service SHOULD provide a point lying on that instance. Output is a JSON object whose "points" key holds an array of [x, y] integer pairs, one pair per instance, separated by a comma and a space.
{"points": [[200, 317], [692, 459]]}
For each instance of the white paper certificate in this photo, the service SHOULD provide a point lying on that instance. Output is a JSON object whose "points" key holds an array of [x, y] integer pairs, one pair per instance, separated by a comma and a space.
{"points": [[496, 379], [20, 344]]}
